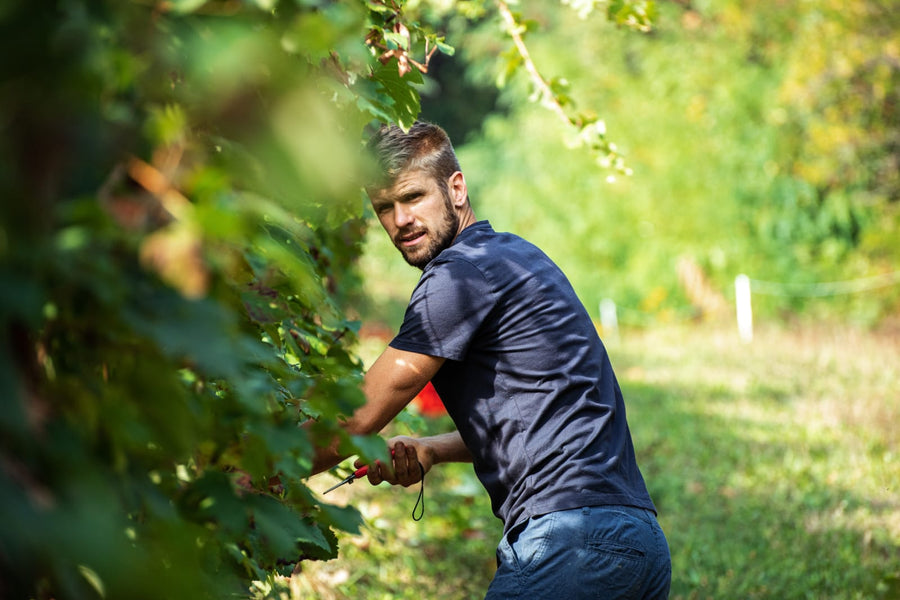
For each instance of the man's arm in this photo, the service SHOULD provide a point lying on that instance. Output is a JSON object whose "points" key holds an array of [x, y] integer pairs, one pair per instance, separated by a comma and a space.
{"points": [[389, 385], [444, 448], [409, 453]]}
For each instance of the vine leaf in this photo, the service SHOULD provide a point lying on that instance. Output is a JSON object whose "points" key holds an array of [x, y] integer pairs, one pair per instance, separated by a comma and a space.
{"points": [[401, 90]]}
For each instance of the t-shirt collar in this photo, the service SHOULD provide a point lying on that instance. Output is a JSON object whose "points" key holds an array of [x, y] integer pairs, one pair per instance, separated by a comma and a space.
{"points": [[476, 227]]}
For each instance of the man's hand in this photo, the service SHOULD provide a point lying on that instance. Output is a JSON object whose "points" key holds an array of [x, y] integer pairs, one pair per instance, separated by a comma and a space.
{"points": [[408, 454]]}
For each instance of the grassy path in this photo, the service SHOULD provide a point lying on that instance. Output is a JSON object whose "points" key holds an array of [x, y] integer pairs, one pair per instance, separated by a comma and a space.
{"points": [[775, 466]]}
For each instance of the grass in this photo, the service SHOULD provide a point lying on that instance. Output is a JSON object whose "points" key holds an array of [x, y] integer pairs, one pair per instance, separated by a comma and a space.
{"points": [[775, 466]]}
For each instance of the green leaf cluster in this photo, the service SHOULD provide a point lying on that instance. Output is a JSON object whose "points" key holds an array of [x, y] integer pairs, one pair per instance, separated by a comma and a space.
{"points": [[837, 187], [178, 241]]}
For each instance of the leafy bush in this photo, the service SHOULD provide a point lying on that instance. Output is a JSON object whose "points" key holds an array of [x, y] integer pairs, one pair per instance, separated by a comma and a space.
{"points": [[180, 224]]}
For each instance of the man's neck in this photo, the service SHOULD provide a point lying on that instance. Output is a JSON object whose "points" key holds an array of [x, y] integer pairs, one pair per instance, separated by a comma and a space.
{"points": [[466, 219]]}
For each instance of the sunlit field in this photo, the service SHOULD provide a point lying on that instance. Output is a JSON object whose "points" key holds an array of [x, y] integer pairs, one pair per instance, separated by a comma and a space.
{"points": [[775, 467], [775, 464]]}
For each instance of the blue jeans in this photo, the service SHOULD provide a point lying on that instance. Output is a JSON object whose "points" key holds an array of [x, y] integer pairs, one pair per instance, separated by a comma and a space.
{"points": [[595, 552]]}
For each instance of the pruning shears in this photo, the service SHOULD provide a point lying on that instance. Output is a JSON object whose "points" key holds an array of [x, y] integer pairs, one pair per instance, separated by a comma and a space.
{"points": [[418, 510], [360, 472]]}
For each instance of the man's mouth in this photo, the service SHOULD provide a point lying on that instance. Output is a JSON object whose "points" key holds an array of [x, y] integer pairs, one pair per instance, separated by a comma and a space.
{"points": [[411, 239]]}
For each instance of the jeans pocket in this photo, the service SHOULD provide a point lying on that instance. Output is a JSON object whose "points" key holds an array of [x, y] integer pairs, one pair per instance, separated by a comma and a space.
{"points": [[616, 548], [617, 557], [529, 542]]}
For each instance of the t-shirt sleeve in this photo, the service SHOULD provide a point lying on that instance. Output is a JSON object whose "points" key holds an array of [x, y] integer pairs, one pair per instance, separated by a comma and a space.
{"points": [[447, 308]]}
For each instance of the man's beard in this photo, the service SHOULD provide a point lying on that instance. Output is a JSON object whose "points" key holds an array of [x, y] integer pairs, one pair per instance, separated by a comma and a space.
{"points": [[443, 236]]}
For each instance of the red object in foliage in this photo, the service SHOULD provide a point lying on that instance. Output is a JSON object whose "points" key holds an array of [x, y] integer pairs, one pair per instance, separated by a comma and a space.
{"points": [[429, 403]]}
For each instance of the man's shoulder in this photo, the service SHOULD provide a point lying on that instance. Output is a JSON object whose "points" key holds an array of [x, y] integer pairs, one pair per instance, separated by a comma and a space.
{"points": [[494, 255], [480, 240]]}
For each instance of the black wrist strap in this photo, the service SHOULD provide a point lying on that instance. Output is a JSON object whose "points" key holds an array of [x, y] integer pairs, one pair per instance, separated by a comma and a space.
{"points": [[419, 509]]}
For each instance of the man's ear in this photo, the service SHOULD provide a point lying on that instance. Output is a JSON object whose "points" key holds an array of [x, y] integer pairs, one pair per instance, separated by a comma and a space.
{"points": [[459, 192]]}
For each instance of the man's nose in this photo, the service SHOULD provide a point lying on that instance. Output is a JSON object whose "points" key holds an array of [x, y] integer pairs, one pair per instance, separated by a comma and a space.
{"points": [[402, 215]]}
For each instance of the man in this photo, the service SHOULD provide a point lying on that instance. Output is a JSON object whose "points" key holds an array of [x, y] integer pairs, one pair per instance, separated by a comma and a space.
{"points": [[498, 329]]}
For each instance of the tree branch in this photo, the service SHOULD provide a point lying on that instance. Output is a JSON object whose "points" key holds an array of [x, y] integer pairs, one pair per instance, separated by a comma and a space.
{"points": [[543, 87]]}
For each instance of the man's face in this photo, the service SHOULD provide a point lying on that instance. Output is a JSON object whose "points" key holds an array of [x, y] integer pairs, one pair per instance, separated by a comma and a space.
{"points": [[418, 215]]}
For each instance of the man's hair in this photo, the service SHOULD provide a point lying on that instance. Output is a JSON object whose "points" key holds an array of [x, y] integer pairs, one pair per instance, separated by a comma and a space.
{"points": [[424, 147]]}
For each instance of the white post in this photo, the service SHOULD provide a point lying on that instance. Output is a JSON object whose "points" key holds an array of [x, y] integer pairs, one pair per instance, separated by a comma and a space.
{"points": [[744, 311], [608, 319]]}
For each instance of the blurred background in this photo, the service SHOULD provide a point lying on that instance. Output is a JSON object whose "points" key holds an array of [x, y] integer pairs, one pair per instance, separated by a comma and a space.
{"points": [[763, 138]]}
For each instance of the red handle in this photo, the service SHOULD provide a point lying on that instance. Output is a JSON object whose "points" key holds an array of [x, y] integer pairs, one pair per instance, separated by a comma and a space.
{"points": [[363, 470]]}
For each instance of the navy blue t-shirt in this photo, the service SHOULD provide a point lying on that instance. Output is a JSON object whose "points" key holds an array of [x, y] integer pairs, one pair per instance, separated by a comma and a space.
{"points": [[527, 380]]}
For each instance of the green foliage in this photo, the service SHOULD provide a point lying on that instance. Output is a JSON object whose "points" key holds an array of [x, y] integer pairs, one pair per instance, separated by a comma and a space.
{"points": [[181, 221], [839, 155], [589, 131]]}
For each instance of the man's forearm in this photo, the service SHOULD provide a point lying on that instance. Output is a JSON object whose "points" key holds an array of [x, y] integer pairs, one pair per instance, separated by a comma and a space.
{"points": [[326, 457], [409, 454], [392, 381], [441, 448], [446, 447]]}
